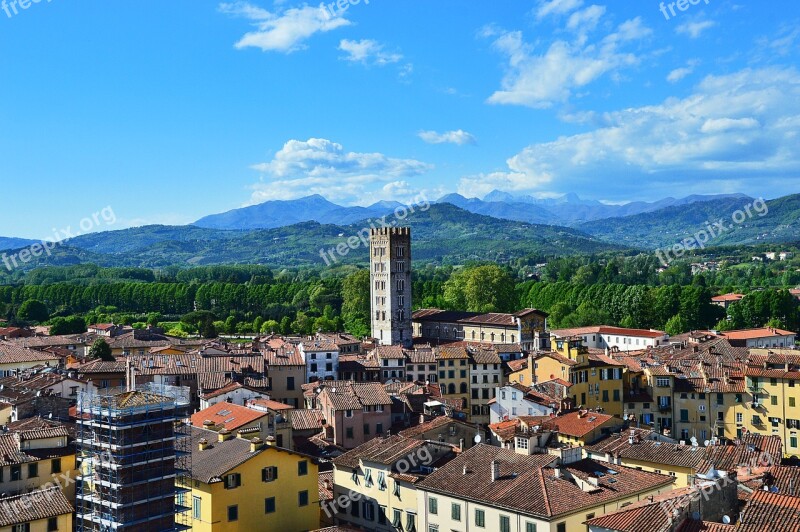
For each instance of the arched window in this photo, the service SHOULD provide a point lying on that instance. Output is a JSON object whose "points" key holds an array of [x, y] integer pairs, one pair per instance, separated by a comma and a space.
{"points": [[451, 388], [463, 387]]}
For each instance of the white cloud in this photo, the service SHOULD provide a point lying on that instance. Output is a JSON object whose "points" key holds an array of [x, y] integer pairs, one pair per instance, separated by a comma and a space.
{"points": [[586, 19], [320, 166], [680, 73], [732, 129], [459, 137], [541, 80], [695, 29], [286, 31], [556, 7], [368, 52], [246, 10]]}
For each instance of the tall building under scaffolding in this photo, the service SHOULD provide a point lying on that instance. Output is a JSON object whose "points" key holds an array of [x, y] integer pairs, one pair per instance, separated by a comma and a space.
{"points": [[133, 450]]}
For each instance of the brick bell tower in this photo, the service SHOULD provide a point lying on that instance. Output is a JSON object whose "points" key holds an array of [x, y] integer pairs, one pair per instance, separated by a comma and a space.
{"points": [[390, 285]]}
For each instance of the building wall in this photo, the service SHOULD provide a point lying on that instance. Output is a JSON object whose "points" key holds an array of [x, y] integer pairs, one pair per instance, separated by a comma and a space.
{"points": [[483, 387], [280, 378], [518, 521], [44, 475], [64, 525], [251, 495], [385, 501]]}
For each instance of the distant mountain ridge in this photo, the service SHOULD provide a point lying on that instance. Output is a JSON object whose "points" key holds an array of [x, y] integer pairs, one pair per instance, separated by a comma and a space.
{"points": [[7, 243], [668, 226], [569, 210], [280, 213], [442, 233]]}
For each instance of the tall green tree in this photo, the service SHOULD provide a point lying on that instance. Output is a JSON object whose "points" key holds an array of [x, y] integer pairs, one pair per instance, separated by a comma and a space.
{"points": [[33, 310], [100, 349], [356, 303]]}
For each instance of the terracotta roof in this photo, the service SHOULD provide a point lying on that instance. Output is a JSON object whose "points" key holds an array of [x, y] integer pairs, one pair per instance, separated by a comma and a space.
{"points": [[604, 329], [654, 452], [352, 395], [380, 450], [483, 355], [270, 404], [421, 356], [646, 515], [394, 352], [505, 430], [770, 511], [36, 505], [227, 415], [435, 423], [517, 365], [14, 354], [526, 485], [306, 419], [448, 353], [325, 486], [727, 297], [751, 334], [577, 424]]}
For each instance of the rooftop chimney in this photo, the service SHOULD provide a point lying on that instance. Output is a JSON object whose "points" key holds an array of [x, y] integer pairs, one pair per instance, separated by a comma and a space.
{"points": [[224, 435], [203, 444], [270, 441], [495, 470], [256, 444]]}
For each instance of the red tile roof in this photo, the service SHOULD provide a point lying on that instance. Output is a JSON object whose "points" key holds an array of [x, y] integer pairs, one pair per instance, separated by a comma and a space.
{"points": [[227, 415], [770, 511], [751, 334], [577, 424]]}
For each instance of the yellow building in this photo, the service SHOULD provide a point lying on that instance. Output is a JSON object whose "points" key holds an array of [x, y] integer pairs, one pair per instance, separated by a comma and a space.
{"points": [[249, 486], [598, 383], [773, 409], [374, 484], [542, 367], [42, 510], [454, 380], [42, 458]]}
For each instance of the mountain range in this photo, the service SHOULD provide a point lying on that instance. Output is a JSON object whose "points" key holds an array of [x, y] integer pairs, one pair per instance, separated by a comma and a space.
{"points": [[452, 230], [569, 210], [442, 233]]}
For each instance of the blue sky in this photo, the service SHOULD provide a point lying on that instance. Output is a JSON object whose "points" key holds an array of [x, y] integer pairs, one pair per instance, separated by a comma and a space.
{"points": [[168, 111]]}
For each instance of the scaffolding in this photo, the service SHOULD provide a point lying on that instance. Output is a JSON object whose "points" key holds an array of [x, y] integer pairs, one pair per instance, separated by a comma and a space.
{"points": [[134, 459]]}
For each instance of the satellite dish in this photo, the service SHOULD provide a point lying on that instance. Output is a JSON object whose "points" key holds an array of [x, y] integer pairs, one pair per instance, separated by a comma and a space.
{"points": [[707, 443], [726, 519], [774, 489], [477, 439]]}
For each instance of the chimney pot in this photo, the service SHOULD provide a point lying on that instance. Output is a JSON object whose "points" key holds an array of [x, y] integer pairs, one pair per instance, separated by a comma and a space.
{"points": [[495, 470]]}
